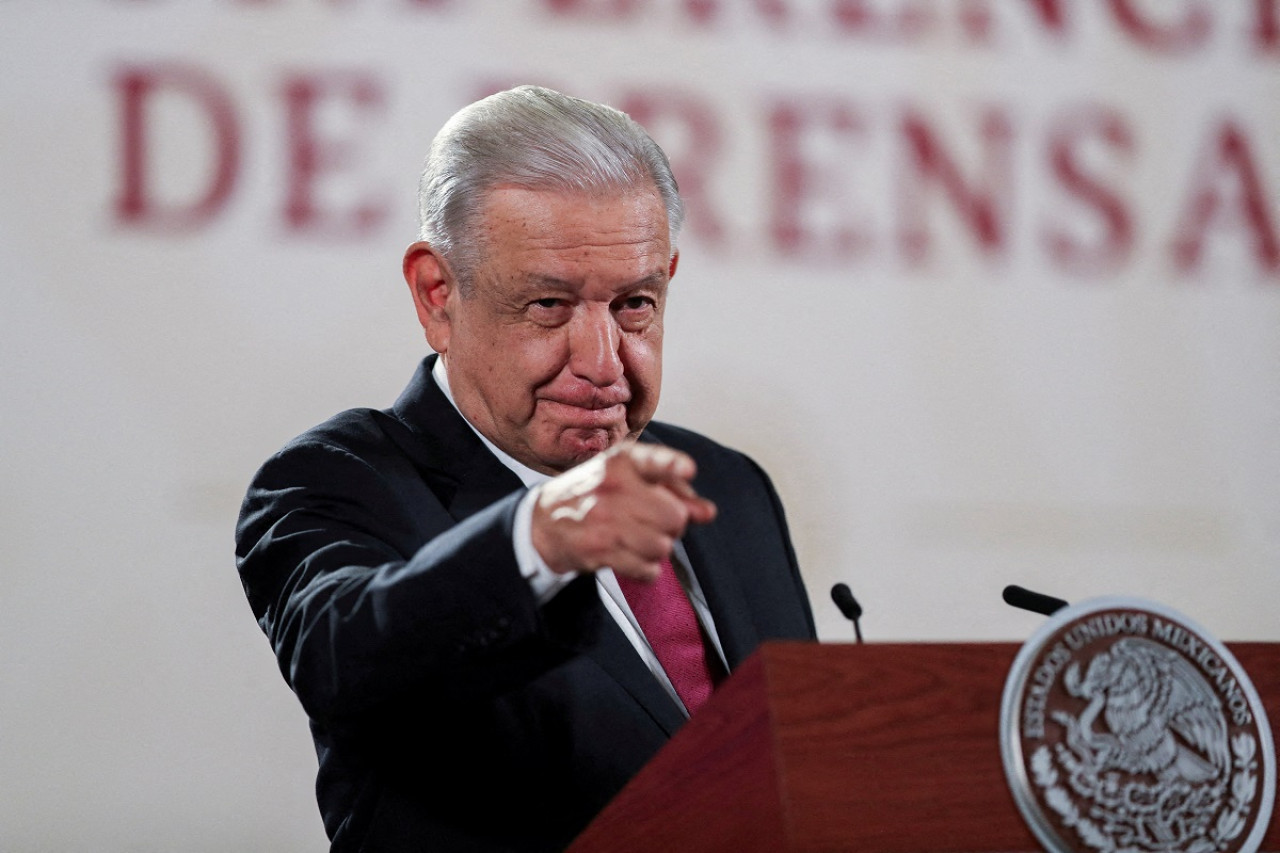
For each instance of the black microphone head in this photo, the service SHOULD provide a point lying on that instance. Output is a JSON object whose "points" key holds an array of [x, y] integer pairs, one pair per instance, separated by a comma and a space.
{"points": [[1036, 602], [849, 606]]}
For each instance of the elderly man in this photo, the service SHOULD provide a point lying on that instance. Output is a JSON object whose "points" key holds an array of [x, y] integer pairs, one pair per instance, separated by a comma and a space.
{"points": [[498, 598]]}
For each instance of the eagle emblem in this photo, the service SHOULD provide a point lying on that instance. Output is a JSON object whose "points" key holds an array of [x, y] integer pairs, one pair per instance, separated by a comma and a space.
{"points": [[1126, 728], [1159, 716]]}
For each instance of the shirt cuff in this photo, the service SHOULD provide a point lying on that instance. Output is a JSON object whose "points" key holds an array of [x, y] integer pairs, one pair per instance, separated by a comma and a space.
{"points": [[542, 581]]}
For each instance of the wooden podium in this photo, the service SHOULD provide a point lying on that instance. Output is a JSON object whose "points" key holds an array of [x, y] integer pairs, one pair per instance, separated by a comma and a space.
{"points": [[878, 747]]}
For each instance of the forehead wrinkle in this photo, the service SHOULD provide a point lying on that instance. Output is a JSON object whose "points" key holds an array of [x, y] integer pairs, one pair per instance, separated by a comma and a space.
{"points": [[531, 245], [555, 239], [579, 248], [532, 279]]}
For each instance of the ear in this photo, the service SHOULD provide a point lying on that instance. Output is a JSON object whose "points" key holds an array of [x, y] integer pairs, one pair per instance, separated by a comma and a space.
{"points": [[675, 261], [431, 284]]}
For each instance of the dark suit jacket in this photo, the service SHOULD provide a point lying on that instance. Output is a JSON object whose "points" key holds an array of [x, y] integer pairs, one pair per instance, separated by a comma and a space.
{"points": [[449, 710]]}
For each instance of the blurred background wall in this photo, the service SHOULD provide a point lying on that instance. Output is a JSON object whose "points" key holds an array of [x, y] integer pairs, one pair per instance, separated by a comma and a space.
{"points": [[992, 289]]}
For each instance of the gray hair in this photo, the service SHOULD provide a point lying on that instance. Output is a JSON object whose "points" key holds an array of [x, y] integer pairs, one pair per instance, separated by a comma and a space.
{"points": [[537, 139]]}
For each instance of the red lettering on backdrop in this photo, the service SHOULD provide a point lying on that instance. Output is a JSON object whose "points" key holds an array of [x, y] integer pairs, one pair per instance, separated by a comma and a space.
{"points": [[983, 203], [978, 18], [1266, 26], [975, 22], [979, 26], [1228, 160], [593, 8], [805, 189], [313, 156], [773, 12], [912, 20], [702, 11], [1186, 34], [1052, 16], [139, 87], [1070, 140], [1153, 24], [693, 146]]}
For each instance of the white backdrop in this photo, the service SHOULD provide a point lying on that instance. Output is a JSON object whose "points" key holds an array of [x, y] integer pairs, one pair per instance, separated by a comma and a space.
{"points": [[991, 289]]}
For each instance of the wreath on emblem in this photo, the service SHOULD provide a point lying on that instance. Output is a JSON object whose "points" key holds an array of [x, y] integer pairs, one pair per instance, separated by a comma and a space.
{"points": [[1161, 774]]}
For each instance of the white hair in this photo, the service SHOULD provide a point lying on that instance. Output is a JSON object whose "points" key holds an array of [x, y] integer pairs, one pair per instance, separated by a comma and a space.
{"points": [[536, 139]]}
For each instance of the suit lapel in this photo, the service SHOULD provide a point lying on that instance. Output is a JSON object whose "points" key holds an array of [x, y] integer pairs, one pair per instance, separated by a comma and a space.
{"points": [[710, 557], [614, 654], [454, 461]]}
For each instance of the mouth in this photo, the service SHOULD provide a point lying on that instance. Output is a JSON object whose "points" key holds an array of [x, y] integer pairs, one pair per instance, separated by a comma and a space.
{"points": [[591, 414]]}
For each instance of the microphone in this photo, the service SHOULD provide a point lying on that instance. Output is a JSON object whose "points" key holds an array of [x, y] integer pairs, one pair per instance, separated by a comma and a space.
{"points": [[849, 606], [1034, 601]]}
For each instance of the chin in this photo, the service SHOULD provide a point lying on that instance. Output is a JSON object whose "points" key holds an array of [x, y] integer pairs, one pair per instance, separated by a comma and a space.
{"points": [[576, 446]]}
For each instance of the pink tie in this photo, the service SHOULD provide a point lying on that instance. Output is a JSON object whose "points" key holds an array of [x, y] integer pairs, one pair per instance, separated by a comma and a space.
{"points": [[669, 624]]}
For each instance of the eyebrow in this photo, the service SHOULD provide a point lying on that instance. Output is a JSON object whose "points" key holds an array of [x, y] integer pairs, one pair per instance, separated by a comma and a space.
{"points": [[537, 280]]}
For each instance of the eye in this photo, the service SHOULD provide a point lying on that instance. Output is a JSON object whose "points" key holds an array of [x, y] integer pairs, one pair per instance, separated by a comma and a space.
{"points": [[635, 312], [549, 310], [635, 303]]}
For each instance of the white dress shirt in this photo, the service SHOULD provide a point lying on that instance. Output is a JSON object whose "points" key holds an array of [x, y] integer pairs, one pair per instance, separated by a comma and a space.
{"points": [[545, 583]]}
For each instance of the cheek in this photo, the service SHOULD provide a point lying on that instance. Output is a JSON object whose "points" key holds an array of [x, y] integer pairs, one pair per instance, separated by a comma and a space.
{"points": [[643, 360], [530, 361]]}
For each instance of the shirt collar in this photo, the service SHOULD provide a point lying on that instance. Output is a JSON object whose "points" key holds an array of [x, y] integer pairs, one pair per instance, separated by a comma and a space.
{"points": [[527, 475]]}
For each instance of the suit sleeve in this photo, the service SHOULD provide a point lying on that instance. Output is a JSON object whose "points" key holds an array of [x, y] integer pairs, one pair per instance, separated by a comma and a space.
{"points": [[369, 594]]}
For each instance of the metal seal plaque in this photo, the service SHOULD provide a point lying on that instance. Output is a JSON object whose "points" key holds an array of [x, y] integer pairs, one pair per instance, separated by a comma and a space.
{"points": [[1125, 727]]}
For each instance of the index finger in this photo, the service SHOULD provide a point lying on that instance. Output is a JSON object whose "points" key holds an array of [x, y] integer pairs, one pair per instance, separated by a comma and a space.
{"points": [[665, 466]]}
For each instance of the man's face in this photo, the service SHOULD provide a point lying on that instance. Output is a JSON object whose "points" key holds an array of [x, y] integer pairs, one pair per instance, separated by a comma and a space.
{"points": [[556, 352]]}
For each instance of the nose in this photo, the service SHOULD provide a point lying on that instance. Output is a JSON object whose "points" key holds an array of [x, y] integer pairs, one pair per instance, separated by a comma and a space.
{"points": [[595, 343]]}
